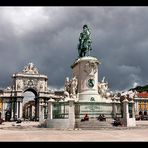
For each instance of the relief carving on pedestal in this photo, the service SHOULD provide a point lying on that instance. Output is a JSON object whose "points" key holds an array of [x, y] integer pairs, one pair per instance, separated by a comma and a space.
{"points": [[90, 68]]}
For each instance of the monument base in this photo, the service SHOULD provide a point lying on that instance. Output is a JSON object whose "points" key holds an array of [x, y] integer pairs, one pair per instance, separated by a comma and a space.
{"points": [[91, 96], [93, 109]]}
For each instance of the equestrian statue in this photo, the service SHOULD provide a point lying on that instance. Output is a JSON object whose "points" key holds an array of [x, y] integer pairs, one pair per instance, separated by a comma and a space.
{"points": [[84, 45]]}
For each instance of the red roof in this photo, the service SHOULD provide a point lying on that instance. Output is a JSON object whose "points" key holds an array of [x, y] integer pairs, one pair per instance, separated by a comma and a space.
{"points": [[143, 95]]}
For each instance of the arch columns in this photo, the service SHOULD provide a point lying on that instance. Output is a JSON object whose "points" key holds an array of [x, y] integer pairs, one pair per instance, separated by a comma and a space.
{"points": [[17, 108], [3, 109], [41, 110]]}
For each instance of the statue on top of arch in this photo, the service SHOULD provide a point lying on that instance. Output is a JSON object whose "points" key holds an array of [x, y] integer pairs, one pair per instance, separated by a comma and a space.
{"points": [[30, 69]]}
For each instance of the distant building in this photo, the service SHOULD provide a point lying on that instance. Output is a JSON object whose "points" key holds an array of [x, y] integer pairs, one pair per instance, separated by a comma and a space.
{"points": [[141, 103]]}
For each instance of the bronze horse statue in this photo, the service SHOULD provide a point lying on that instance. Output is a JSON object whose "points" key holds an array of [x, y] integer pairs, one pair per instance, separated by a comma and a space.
{"points": [[84, 45]]}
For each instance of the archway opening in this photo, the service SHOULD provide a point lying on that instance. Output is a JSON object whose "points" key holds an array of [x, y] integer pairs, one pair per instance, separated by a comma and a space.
{"points": [[30, 105]]}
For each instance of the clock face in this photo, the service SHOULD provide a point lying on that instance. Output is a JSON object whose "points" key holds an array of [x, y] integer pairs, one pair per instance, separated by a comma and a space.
{"points": [[91, 83]]}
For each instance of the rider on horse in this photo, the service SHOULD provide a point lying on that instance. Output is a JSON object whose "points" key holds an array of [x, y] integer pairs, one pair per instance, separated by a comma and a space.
{"points": [[84, 42]]}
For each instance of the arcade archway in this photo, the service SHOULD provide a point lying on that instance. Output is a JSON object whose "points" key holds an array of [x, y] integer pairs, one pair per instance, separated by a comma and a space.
{"points": [[30, 80], [29, 107]]}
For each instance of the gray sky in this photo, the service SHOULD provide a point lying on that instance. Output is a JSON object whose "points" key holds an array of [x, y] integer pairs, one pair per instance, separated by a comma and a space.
{"points": [[48, 37]]}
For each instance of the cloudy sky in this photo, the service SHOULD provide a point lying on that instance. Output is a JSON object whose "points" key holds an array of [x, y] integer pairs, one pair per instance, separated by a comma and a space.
{"points": [[48, 37]]}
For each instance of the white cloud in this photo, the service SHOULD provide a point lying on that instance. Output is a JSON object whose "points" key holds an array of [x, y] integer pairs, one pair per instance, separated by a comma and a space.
{"points": [[25, 19], [135, 84], [52, 88], [129, 69]]}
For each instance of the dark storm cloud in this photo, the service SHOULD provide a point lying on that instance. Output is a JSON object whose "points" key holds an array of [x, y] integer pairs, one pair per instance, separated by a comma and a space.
{"points": [[48, 37]]}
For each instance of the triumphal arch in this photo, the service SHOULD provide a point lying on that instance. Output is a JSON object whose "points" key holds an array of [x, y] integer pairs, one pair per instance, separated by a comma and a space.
{"points": [[29, 79]]}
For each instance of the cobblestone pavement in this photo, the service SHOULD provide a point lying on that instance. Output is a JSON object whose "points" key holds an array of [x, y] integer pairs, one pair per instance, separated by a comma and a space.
{"points": [[29, 131]]}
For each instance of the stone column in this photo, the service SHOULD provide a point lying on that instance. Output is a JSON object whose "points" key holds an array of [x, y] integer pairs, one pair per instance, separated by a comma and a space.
{"points": [[41, 110], [27, 112], [118, 106], [50, 111], [30, 112], [125, 109], [114, 107], [46, 110], [136, 107], [77, 110], [37, 109], [21, 109], [3, 109], [12, 109], [16, 112], [129, 122], [133, 108], [71, 114]]}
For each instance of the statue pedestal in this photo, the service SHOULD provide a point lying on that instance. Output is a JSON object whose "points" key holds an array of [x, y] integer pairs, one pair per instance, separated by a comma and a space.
{"points": [[85, 69]]}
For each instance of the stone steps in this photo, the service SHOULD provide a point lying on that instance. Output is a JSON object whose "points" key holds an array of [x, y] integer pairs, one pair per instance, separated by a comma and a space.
{"points": [[93, 124]]}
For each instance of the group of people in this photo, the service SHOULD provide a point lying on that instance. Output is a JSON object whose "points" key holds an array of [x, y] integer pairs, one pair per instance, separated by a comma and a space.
{"points": [[117, 122], [101, 117]]}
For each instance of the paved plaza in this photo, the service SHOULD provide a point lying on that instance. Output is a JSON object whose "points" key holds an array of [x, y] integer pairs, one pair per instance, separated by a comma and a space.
{"points": [[29, 131]]}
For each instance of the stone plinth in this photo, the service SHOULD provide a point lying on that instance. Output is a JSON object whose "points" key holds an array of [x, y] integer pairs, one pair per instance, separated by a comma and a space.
{"points": [[85, 69], [127, 121]]}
